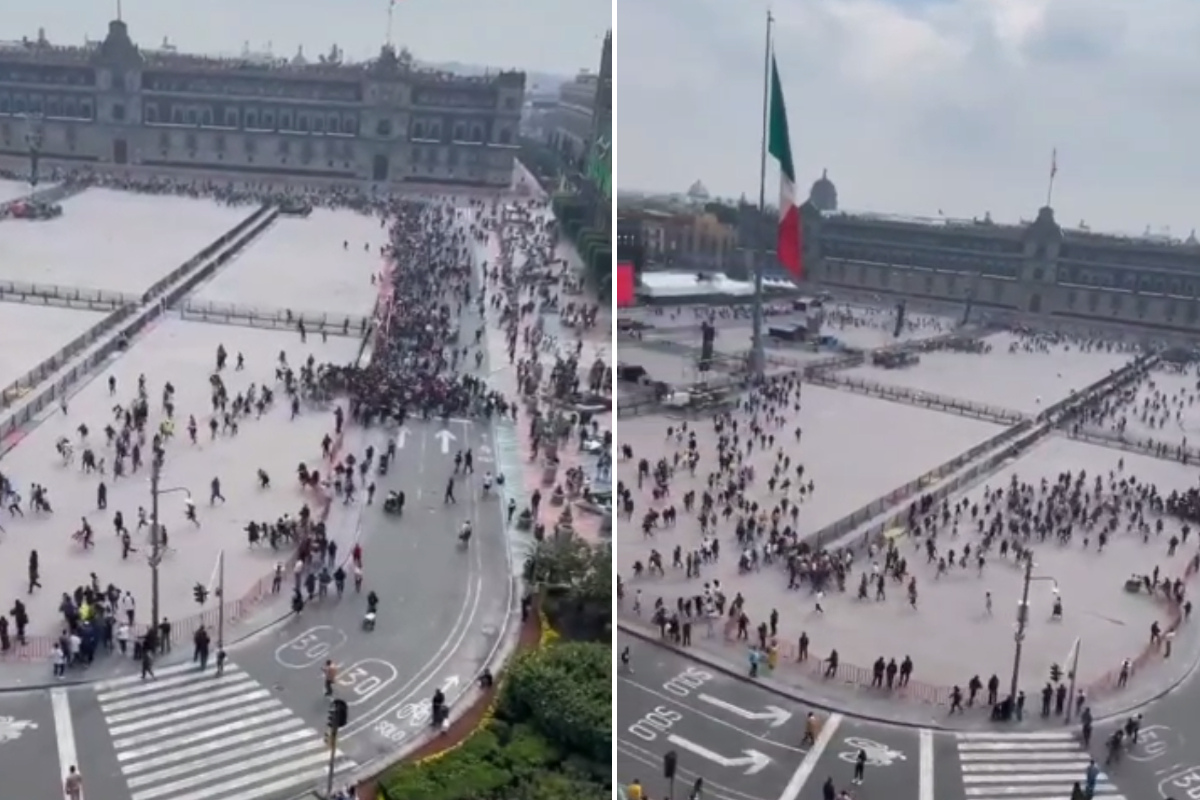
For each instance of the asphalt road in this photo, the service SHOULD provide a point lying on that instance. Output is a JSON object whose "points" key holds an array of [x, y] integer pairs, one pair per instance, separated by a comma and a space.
{"points": [[1166, 761], [443, 608], [746, 743]]}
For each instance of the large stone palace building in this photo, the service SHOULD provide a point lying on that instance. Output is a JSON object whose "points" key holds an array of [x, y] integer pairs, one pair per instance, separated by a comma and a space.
{"points": [[384, 121], [1037, 267]]}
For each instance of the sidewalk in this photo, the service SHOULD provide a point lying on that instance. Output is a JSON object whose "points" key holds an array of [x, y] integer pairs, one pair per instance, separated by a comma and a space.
{"points": [[849, 689]]}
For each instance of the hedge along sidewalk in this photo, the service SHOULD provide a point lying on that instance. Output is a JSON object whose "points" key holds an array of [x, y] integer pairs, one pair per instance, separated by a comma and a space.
{"points": [[530, 638]]}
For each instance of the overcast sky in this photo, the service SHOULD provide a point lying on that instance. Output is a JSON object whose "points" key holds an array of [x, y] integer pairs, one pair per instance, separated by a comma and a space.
{"points": [[921, 105], [558, 36]]}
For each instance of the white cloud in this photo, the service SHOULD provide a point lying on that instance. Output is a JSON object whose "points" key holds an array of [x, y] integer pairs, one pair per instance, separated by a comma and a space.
{"points": [[559, 36], [921, 105]]}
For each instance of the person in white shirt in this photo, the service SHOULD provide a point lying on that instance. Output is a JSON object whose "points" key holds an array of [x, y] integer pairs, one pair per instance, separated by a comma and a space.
{"points": [[128, 606]]}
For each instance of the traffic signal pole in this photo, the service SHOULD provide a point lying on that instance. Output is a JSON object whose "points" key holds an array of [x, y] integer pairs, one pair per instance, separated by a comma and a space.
{"points": [[221, 600], [1074, 676], [333, 737]]}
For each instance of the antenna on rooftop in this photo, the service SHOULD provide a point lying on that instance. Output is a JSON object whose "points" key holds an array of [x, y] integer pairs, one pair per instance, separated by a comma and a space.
{"points": [[120, 16], [390, 17]]}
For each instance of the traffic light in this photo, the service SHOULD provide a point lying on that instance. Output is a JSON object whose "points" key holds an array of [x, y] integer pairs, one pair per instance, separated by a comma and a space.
{"points": [[200, 593], [339, 714], [1055, 673], [669, 760]]}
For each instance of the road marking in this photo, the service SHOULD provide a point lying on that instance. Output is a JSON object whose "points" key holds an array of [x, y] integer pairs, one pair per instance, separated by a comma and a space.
{"points": [[775, 715], [809, 764], [752, 760], [446, 438], [925, 783], [717, 720], [64, 733]]}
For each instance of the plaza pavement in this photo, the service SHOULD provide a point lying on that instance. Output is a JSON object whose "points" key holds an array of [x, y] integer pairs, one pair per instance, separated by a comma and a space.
{"points": [[116, 241], [184, 355], [32, 334], [1017, 381], [949, 637], [259, 276]]}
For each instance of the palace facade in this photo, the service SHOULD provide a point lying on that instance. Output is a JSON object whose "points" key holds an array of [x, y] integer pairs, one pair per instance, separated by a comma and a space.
{"points": [[385, 121], [1034, 268]]}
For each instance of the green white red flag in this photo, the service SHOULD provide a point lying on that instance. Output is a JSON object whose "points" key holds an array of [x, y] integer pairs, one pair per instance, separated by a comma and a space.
{"points": [[779, 145]]}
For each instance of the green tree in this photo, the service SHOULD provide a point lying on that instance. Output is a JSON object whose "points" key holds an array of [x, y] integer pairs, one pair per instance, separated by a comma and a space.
{"points": [[575, 580], [565, 691]]}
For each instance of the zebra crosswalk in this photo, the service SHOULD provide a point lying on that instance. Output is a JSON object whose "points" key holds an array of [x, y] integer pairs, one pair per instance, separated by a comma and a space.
{"points": [[188, 735], [1039, 765]]}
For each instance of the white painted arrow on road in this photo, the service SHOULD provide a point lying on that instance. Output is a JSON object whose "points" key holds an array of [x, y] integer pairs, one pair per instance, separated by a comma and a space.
{"points": [[775, 715], [447, 437], [752, 760], [402, 437]]}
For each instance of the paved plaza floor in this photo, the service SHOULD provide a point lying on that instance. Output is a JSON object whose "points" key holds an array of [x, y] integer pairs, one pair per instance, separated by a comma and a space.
{"points": [[113, 240], [855, 449], [1020, 381], [31, 334], [1177, 416], [331, 278], [183, 354], [12, 190]]}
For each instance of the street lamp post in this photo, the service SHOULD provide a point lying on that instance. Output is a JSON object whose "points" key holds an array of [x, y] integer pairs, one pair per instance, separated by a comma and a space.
{"points": [[1023, 621], [156, 536], [155, 540]]}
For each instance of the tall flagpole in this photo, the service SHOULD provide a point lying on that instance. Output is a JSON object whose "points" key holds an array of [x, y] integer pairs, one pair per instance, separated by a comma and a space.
{"points": [[758, 356], [1053, 175]]}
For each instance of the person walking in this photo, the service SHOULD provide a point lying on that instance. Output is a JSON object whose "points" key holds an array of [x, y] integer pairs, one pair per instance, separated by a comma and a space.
{"points": [[73, 784]]}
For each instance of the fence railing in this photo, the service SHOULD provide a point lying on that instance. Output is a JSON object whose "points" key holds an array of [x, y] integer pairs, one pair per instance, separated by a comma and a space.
{"points": [[315, 321], [1004, 446], [120, 326], [900, 394]]}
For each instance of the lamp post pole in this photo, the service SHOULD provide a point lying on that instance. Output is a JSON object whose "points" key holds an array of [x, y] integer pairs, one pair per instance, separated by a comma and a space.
{"points": [[1023, 621], [155, 539], [221, 600], [156, 534]]}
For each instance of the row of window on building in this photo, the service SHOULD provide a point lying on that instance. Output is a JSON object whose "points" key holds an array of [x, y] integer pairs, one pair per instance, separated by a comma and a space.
{"points": [[253, 119], [942, 260]]}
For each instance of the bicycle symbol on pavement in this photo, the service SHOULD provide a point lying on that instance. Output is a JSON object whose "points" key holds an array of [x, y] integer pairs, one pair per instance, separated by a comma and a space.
{"points": [[12, 729], [878, 754]]}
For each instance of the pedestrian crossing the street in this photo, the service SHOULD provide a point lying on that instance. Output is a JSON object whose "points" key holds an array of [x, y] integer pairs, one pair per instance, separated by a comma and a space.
{"points": [[190, 735], [1026, 766]]}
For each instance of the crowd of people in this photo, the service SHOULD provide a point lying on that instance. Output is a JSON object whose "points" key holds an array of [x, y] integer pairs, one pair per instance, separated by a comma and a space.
{"points": [[710, 479], [145, 430], [429, 344]]}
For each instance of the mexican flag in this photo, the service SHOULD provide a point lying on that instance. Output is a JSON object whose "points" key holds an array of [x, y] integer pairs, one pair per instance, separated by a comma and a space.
{"points": [[779, 145]]}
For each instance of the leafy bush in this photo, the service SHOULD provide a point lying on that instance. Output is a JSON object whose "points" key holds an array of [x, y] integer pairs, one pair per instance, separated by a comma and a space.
{"points": [[565, 692], [550, 737]]}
